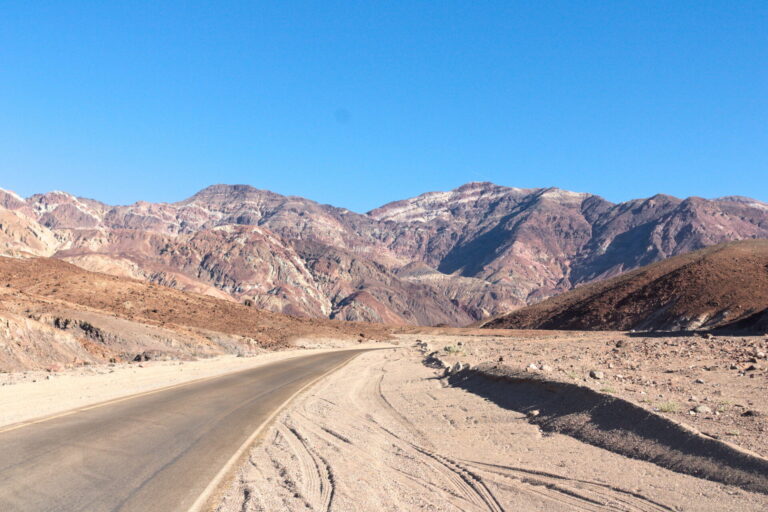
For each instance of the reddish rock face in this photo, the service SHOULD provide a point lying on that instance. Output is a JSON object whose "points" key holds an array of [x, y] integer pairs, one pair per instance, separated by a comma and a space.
{"points": [[440, 258]]}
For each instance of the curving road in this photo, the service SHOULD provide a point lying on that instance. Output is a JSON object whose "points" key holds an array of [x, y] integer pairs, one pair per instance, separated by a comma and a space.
{"points": [[154, 452]]}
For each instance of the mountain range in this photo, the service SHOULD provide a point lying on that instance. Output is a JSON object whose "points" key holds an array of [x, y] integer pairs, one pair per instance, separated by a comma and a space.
{"points": [[449, 258]]}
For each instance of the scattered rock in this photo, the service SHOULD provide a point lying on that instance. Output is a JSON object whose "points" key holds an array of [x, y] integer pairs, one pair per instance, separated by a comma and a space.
{"points": [[702, 409], [699, 381], [751, 413], [597, 374], [432, 360], [533, 413]]}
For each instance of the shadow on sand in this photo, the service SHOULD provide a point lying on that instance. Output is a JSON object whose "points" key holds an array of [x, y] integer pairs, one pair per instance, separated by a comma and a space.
{"points": [[616, 425]]}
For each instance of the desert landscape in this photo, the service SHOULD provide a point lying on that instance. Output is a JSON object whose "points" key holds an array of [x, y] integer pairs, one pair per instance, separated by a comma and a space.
{"points": [[641, 391], [393, 256]]}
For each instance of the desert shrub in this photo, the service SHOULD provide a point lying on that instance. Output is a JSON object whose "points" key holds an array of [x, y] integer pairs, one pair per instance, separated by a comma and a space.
{"points": [[668, 407]]}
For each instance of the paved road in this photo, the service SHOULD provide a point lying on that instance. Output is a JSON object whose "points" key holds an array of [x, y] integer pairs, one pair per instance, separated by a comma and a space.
{"points": [[156, 452]]}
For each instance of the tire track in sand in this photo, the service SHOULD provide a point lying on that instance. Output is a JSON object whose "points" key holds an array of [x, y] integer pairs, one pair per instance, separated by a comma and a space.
{"points": [[603, 496], [319, 486], [471, 486]]}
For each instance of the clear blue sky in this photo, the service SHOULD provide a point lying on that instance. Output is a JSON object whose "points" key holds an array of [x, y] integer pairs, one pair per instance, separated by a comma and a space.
{"points": [[359, 103]]}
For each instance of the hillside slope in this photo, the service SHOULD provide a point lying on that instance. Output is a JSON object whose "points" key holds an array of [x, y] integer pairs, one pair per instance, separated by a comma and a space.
{"points": [[721, 286], [52, 312]]}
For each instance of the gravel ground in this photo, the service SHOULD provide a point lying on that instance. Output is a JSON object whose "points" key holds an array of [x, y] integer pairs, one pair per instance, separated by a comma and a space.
{"points": [[715, 384]]}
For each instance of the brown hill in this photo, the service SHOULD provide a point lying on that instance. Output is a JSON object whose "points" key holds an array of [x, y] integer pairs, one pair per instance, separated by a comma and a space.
{"points": [[52, 312], [721, 286]]}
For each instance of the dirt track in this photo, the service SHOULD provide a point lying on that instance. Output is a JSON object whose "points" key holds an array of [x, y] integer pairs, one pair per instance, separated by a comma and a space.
{"points": [[385, 434]]}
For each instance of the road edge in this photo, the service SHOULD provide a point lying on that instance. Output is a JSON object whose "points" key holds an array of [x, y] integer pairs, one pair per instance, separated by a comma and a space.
{"points": [[205, 502], [96, 404]]}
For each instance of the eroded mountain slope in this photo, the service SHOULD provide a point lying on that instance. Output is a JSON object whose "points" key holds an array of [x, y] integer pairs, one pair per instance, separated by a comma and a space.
{"points": [[724, 285], [440, 258], [52, 312]]}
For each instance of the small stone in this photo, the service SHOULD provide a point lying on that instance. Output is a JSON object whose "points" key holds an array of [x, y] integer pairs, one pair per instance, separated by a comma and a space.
{"points": [[702, 409], [546, 368], [596, 374], [533, 413], [760, 355], [751, 413], [699, 381], [532, 367], [752, 368]]}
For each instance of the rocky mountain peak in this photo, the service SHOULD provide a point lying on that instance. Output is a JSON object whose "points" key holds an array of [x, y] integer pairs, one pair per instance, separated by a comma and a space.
{"points": [[225, 193], [11, 200]]}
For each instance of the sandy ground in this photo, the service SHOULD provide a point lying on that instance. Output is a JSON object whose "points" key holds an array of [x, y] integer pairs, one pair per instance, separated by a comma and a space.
{"points": [[33, 394], [385, 434]]}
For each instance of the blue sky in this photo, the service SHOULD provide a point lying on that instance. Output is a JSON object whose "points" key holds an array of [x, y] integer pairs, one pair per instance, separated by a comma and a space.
{"points": [[359, 103]]}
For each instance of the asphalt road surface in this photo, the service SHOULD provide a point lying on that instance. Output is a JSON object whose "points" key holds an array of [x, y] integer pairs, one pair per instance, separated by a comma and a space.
{"points": [[154, 452]]}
